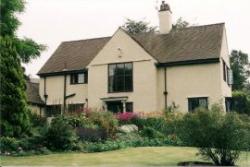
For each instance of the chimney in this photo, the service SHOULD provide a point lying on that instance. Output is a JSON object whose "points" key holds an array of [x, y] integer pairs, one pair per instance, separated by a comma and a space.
{"points": [[165, 18]]}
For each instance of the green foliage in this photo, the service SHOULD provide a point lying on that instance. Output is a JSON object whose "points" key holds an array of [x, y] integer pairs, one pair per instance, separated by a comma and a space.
{"points": [[129, 140], [8, 144], [79, 120], [151, 133], [240, 66], [241, 102], [37, 121], [105, 120], [60, 135], [219, 137], [14, 111], [180, 24], [136, 27], [173, 120]]}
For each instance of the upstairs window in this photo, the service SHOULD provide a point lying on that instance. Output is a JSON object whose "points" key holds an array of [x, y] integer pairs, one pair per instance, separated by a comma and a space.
{"points": [[224, 71], [227, 74], [79, 78], [120, 77], [194, 103]]}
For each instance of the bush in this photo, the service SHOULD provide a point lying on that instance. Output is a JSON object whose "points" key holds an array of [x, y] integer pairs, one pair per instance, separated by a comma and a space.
{"points": [[105, 120], [79, 120], [37, 121], [90, 134], [9, 144], [173, 120], [60, 135], [126, 117], [151, 133], [219, 137]]}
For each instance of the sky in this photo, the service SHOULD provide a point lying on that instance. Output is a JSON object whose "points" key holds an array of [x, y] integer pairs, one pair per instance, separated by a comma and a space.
{"points": [[50, 22]]}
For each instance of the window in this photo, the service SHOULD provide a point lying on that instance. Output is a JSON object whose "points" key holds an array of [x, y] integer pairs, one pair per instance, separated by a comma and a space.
{"points": [[194, 103], [79, 78], [53, 110], [224, 71], [227, 74], [75, 107], [120, 77], [229, 104], [129, 107]]}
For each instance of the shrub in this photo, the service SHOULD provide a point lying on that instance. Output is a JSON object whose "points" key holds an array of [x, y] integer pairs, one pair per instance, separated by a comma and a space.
{"points": [[126, 117], [173, 120], [90, 134], [37, 121], [60, 135], [79, 120], [9, 144], [105, 120], [151, 133], [219, 137]]}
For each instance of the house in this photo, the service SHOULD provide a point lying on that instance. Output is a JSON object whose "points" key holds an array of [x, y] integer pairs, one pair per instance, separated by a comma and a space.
{"points": [[36, 104], [187, 68]]}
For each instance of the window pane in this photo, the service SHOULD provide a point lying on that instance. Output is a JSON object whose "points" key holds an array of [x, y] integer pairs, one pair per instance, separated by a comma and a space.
{"points": [[129, 107], [80, 78], [74, 79], [119, 69], [203, 102], [128, 83], [112, 69], [111, 83], [120, 83], [128, 69]]}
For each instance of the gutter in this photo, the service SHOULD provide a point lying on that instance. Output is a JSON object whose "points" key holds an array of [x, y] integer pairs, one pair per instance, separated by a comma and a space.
{"points": [[189, 62], [61, 72]]}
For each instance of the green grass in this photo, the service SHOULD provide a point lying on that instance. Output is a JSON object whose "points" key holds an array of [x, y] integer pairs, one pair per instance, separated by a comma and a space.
{"points": [[145, 156]]}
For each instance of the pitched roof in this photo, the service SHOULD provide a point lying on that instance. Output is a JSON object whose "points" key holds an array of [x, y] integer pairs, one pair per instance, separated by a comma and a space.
{"points": [[193, 43], [32, 91], [187, 44], [73, 55]]}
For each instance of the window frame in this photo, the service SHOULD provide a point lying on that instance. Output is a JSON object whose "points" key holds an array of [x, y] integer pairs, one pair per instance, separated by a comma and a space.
{"points": [[85, 78], [124, 75], [197, 98]]}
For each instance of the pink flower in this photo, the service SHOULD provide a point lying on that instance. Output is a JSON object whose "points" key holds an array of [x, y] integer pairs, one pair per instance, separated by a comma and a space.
{"points": [[126, 116]]}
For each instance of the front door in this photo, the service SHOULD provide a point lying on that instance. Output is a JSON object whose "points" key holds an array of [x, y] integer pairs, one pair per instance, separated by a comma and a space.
{"points": [[114, 106]]}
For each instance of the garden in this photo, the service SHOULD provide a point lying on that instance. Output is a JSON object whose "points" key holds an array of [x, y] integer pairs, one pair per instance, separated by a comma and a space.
{"points": [[216, 137]]}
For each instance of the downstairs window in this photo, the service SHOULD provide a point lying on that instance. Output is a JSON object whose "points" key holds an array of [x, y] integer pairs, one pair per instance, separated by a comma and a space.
{"points": [[194, 103]]}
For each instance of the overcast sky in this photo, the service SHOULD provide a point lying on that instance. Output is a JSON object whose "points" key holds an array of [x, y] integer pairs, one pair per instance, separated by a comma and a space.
{"points": [[52, 21]]}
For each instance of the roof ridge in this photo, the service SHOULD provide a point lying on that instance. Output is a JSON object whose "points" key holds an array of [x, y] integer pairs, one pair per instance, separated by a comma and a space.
{"points": [[80, 40], [206, 25]]}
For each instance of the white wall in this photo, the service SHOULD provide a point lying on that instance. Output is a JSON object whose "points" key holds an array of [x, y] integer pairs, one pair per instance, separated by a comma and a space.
{"points": [[55, 90], [144, 95]]}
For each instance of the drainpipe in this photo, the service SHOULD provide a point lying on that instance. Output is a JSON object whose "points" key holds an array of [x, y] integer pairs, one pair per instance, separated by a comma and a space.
{"points": [[165, 88], [45, 91], [64, 93]]}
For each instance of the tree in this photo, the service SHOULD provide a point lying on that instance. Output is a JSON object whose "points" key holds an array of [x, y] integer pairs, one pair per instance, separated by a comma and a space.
{"points": [[136, 27], [180, 24], [240, 67], [14, 51]]}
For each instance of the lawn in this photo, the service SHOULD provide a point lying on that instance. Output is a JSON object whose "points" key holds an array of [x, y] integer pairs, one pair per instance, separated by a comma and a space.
{"points": [[145, 156]]}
